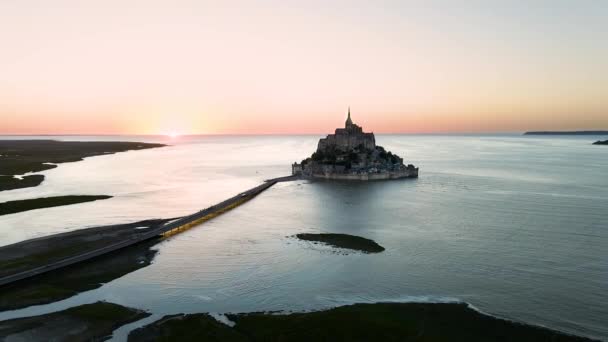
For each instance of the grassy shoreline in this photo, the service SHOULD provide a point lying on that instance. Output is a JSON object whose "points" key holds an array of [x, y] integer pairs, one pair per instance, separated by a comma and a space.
{"points": [[18, 157], [357, 322], [12, 183], [13, 207], [89, 322], [69, 281]]}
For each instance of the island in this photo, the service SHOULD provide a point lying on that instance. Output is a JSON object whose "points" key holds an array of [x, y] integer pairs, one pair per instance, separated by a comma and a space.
{"points": [[351, 154], [599, 142], [567, 133], [347, 241], [12, 207]]}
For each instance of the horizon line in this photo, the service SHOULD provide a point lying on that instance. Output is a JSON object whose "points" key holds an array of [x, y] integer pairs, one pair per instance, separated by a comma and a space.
{"points": [[291, 134]]}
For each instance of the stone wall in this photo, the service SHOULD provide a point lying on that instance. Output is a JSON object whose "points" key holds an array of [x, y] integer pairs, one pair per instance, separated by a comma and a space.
{"points": [[408, 173]]}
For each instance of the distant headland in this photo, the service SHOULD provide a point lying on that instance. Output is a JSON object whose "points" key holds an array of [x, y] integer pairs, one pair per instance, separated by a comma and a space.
{"points": [[599, 142], [19, 158], [351, 154], [567, 133]]}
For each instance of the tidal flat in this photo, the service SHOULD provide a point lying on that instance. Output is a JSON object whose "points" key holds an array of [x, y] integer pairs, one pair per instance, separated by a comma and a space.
{"points": [[18, 157], [84, 276], [357, 322], [89, 322]]}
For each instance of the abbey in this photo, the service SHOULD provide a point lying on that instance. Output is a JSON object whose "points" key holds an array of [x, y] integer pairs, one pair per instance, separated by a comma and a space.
{"points": [[349, 137], [352, 154]]}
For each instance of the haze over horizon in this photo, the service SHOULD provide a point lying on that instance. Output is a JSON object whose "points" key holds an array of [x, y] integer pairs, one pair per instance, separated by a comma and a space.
{"points": [[289, 67]]}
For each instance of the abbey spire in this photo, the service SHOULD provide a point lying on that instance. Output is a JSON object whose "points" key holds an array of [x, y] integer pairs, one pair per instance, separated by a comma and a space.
{"points": [[349, 122]]}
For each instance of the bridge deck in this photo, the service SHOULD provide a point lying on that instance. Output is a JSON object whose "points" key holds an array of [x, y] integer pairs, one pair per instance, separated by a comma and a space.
{"points": [[169, 228]]}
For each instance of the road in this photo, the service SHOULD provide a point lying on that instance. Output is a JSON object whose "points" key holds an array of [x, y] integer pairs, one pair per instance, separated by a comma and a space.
{"points": [[168, 227]]}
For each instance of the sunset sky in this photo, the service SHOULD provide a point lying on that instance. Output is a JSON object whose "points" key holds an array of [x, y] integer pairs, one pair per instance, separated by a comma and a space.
{"points": [[223, 67]]}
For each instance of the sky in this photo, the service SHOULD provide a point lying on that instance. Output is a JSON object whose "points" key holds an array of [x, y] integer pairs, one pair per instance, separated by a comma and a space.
{"points": [[291, 67]]}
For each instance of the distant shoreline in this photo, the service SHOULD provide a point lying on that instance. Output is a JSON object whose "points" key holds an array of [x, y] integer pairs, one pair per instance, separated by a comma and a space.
{"points": [[22, 157], [566, 133]]}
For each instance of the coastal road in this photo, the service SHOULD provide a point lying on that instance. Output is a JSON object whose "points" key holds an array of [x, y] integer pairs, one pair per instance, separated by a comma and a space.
{"points": [[169, 227]]}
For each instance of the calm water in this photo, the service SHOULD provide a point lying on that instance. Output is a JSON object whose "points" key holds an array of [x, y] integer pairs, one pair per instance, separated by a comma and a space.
{"points": [[516, 226]]}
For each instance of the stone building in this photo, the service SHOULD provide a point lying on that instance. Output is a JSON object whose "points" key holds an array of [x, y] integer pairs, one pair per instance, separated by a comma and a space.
{"points": [[347, 138], [351, 154]]}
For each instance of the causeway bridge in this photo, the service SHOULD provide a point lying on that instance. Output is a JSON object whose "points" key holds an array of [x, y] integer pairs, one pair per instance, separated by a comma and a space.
{"points": [[167, 229]]}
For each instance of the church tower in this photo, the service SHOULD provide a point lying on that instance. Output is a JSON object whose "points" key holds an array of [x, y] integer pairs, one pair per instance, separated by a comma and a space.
{"points": [[349, 122]]}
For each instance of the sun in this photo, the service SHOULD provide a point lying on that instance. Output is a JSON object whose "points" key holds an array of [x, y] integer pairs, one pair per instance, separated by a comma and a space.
{"points": [[172, 134]]}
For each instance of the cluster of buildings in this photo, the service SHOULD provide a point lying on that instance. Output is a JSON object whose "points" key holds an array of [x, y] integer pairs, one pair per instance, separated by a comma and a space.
{"points": [[352, 154]]}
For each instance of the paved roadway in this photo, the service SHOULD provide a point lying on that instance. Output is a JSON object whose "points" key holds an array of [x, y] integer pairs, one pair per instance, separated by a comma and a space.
{"points": [[142, 237]]}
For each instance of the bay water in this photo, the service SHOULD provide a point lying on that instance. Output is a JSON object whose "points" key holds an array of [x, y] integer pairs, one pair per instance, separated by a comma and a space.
{"points": [[516, 226]]}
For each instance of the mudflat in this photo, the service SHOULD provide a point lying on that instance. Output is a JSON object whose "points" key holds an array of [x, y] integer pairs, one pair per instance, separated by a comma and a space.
{"points": [[193, 327], [66, 282], [358, 322], [343, 241], [18, 157], [89, 322]]}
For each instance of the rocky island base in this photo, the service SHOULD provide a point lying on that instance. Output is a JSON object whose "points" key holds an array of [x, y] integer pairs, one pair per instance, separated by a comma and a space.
{"points": [[351, 154], [343, 241], [358, 322]]}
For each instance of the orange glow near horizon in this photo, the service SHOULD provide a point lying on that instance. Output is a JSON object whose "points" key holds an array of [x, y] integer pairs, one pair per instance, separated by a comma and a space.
{"points": [[234, 67]]}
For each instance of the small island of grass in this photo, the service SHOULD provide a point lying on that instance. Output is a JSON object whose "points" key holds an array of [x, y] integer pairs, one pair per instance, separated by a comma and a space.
{"points": [[12, 207], [343, 241], [600, 142], [12, 183]]}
